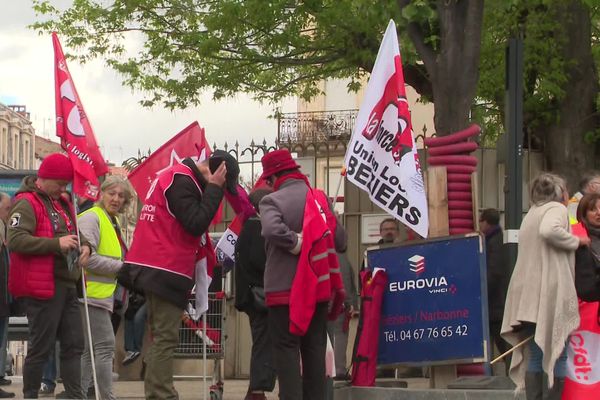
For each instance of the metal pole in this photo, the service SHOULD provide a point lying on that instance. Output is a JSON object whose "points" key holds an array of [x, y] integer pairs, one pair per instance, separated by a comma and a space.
{"points": [[87, 312], [514, 155]]}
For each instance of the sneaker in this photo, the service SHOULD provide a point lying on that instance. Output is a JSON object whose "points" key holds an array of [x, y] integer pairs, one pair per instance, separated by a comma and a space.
{"points": [[46, 391], [6, 395], [4, 381], [130, 357]]}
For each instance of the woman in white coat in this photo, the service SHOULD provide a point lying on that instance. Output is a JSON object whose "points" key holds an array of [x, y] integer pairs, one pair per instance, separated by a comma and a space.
{"points": [[541, 299]]}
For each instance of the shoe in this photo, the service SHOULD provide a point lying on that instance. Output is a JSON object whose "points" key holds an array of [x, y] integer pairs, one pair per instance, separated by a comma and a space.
{"points": [[130, 357], [6, 395], [255, 396], [46, 391], [65, 395], [4, 381]]}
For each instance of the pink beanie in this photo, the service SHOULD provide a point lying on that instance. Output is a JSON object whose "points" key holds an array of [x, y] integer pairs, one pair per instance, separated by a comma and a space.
{"points": [[56, 166]]}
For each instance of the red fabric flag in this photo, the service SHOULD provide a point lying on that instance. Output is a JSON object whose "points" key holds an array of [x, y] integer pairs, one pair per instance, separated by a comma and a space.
{"points": [[74, 129], [583, 356], [190, 142]]}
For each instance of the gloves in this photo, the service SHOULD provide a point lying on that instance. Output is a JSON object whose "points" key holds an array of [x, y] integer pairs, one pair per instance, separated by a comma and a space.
{"points": [[336, 304]]}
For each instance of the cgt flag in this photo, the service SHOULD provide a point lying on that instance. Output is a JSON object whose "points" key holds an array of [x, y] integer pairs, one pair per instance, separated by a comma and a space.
{"points": [[190, 142], [74, 129], [382, 157]]}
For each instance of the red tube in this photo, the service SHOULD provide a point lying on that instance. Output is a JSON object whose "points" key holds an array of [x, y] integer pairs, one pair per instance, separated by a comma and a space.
{"points": [[468, 214], [460, 205], [455, 160], [466, 196], [458, 231], [460, 223], [459, 186], [460, 169], [455, 137], [456, 148], [453, 177]]}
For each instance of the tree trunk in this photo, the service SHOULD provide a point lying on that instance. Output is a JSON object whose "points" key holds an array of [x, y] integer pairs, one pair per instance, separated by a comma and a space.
{"points": [[453, 69], [567, 152]]}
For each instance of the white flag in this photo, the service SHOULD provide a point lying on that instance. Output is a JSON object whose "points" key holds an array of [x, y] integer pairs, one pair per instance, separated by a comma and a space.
{"points": [[382, 157]]}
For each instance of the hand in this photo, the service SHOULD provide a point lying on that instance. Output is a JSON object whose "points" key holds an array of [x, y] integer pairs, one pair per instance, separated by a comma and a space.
{"points": [[584, 241], [68, 243], [84, 255], [218, 178], [336, 304]]}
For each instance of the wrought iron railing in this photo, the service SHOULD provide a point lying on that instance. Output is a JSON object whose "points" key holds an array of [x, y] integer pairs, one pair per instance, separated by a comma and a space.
{"points": [[315, 126]]}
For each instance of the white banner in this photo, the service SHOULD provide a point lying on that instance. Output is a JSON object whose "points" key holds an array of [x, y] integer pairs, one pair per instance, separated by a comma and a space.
{"points": [[382, 157]]}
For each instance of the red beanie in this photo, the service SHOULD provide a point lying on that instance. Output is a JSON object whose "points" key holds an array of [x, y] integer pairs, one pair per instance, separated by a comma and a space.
{"points": [[56, 166]]}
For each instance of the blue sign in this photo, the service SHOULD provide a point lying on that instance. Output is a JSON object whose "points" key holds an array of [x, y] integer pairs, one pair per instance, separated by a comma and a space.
{"points": [[10, 185], [435, 306]]}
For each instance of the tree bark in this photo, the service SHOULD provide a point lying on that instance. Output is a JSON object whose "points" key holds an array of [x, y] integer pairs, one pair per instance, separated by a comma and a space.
{"points": [[454, 69], [566, 150]]}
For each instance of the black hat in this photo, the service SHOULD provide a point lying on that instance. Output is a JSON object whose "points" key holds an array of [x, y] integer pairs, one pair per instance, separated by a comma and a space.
{"points": [[233, 168]]}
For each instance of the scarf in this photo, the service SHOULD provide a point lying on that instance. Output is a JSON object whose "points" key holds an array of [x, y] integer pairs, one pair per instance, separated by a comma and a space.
{"points": [[293, 175]]}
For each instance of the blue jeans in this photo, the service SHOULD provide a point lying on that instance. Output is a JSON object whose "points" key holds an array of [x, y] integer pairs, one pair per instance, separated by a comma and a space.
{"points": [[536, 356], [49, 376], [134, 330]]}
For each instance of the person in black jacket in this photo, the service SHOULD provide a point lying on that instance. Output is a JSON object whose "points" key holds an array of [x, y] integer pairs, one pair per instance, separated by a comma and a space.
{"points": [[498, 274], [167, 252], [250, 261]]}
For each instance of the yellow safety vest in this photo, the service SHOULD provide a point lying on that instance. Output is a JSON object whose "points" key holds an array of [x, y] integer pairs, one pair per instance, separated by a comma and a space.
{"points": [[103, 286]]}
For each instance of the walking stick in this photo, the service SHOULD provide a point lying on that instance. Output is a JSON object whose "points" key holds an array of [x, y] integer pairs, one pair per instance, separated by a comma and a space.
{"points": [[501, 356], [87, 314]]}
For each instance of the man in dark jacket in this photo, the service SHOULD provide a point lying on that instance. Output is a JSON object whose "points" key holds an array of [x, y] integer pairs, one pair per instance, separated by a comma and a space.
{"points": [[498, 273], [250, 259], [170, 245], [43, 245]]}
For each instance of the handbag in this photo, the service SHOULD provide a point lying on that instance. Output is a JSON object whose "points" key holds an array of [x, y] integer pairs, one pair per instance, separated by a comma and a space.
{"points": [[587, 275], [258, 298]]}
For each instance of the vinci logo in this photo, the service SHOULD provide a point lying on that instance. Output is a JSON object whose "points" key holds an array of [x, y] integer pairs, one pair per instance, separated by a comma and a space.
{"points": [[417, 264]]}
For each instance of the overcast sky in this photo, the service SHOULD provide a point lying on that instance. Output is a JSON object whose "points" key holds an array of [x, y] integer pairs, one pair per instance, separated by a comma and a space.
{"points": [[121, 125]]}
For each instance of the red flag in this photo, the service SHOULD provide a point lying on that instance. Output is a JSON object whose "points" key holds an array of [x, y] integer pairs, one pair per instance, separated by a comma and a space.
{"points": [[583, 356], [74, 129], [190, 142]]}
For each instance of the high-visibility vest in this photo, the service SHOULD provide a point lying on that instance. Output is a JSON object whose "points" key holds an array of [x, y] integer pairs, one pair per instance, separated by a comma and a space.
{"points": [[103, 286]]}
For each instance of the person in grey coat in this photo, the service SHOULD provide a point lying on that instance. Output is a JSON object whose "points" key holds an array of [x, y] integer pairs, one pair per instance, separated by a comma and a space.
{"points": [[282, 215]]}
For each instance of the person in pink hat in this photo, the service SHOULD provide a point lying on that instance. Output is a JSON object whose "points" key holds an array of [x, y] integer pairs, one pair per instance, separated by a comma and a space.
{"points": [[45, 265], [301, 276]]}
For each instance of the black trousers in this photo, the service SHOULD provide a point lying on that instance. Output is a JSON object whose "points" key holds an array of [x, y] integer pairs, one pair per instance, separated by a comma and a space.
{"points": [[288, 348], [262, 371], [501, 344], [58, 318]]}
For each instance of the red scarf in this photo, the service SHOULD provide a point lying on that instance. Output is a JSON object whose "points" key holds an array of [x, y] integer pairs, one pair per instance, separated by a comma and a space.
{"points": [[293, 175]]}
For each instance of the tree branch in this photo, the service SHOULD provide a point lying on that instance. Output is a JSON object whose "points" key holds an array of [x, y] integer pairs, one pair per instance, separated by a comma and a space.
{"points": [[425, 51]]}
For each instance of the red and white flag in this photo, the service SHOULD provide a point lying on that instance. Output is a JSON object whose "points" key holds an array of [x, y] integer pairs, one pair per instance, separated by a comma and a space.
{"points": [[226, 243], [190, 142], [74, 129], [382, 157], [583, 357]]}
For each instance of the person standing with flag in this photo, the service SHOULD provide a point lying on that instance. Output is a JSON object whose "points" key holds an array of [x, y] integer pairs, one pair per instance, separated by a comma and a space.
{"points": [[302, 275], [45, 264], [173, 223]]}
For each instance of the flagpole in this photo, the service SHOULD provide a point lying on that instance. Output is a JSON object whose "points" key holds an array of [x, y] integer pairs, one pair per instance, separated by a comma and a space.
{"points": [[339, 185], [87, 311]]}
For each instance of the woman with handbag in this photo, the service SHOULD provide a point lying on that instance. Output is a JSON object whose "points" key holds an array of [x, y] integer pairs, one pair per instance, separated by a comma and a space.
{"points": [[250, 261], [541, 299]]}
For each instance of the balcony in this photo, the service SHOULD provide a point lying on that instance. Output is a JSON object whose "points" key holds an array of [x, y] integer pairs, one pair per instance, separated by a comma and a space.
{"points": [[322, 126]]}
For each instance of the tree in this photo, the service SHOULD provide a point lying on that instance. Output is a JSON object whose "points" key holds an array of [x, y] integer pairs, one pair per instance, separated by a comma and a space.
{"points": [[173, 50], [561, 79]]}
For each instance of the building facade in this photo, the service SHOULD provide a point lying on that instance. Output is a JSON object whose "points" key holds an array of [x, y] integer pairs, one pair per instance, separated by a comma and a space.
{"points": [[17, 139]]}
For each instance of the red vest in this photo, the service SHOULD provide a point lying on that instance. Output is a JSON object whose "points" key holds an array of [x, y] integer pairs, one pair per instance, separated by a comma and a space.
{"points": [[159, 240], [33, 275]]}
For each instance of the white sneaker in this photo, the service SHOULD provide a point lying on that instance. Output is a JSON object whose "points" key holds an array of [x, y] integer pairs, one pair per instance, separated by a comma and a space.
{"points": [[130, 357]]}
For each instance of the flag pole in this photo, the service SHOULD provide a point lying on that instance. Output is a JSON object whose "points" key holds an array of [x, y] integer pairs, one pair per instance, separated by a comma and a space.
{"points": [[87, 311], [339, 185], [501, 356]]}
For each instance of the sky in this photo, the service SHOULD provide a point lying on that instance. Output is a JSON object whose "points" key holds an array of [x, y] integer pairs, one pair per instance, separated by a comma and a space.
{"points": [[120, 124]]}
